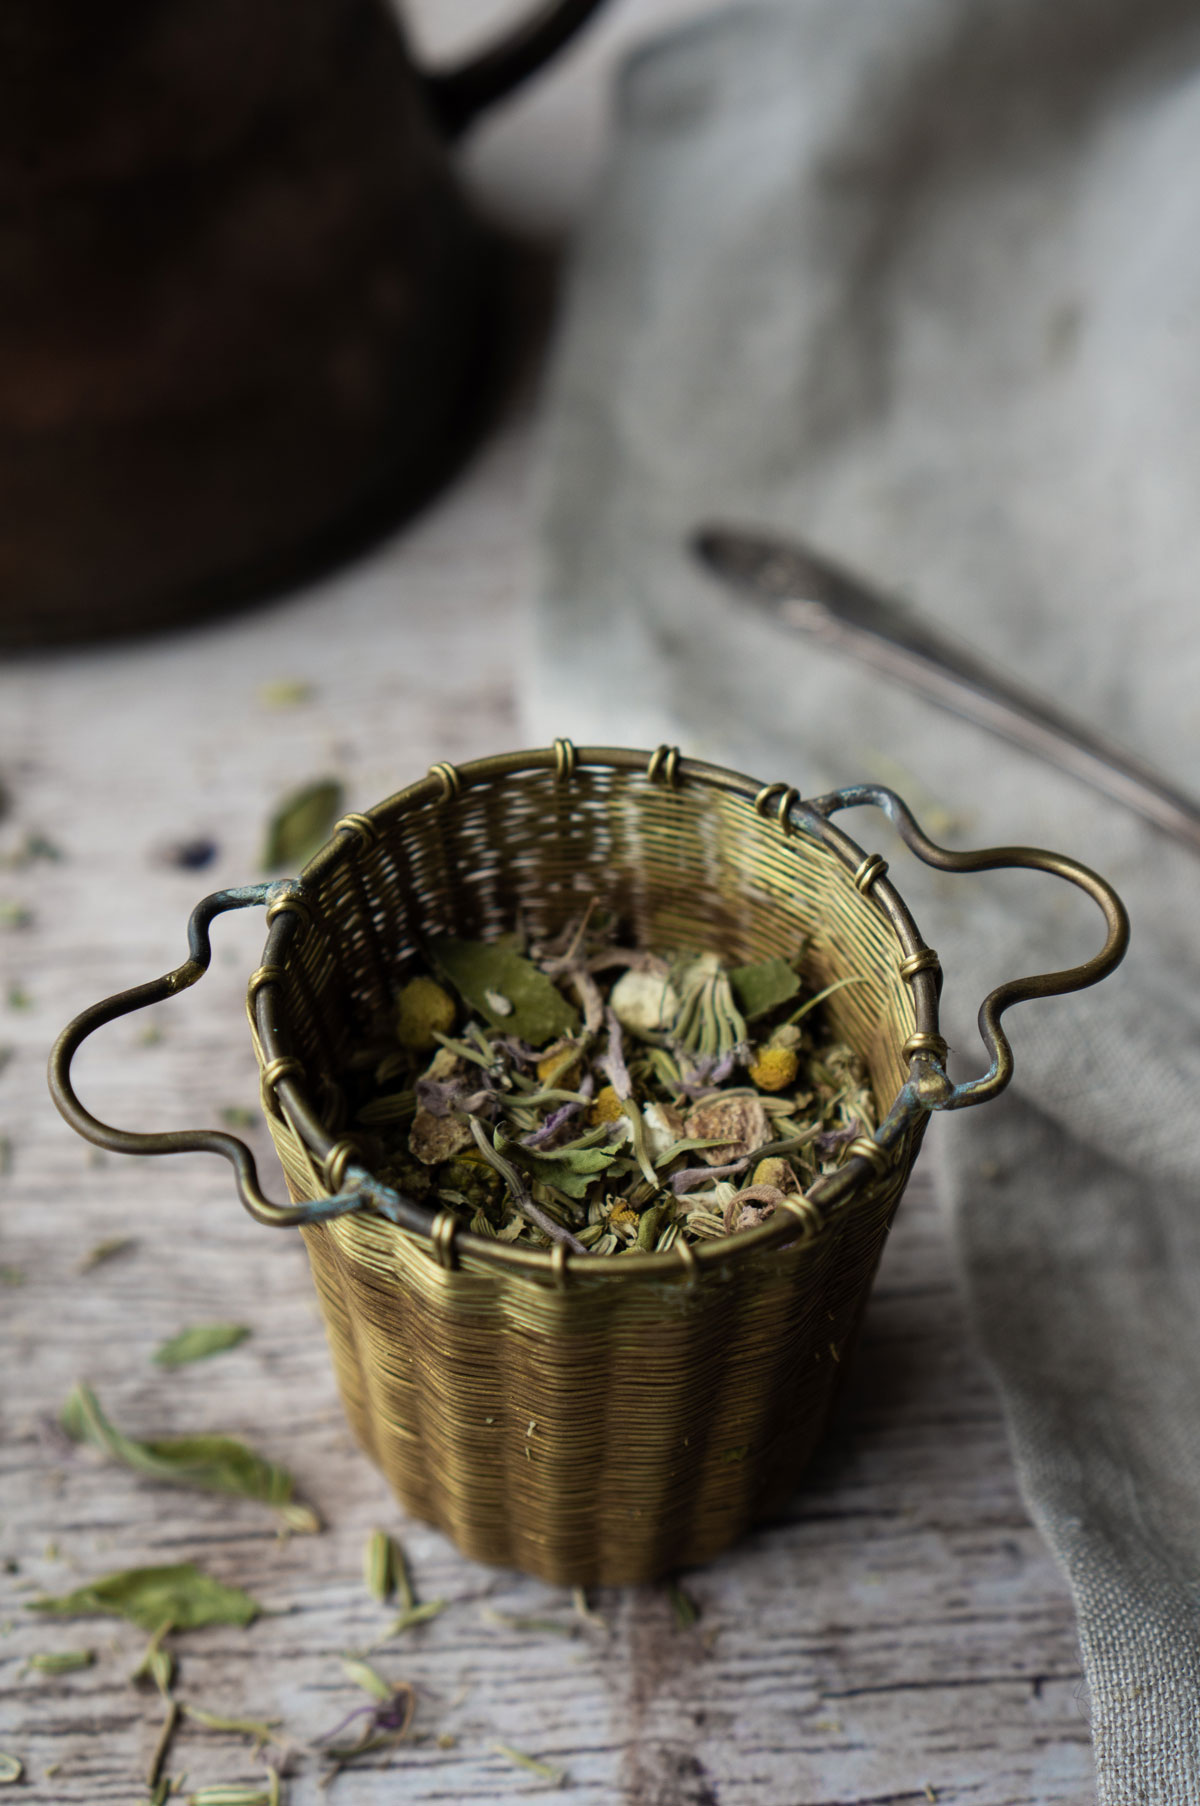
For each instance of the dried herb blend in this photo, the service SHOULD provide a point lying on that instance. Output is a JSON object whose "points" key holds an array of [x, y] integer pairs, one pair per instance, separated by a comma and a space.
{"points": [[611, 1098]]}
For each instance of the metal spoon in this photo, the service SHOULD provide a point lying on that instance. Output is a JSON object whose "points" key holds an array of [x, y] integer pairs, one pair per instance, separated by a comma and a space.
{"points": [[805, 591]]}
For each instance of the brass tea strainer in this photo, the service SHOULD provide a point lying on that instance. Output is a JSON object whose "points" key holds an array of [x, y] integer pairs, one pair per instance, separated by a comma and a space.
{"points": [[590, 1419]]}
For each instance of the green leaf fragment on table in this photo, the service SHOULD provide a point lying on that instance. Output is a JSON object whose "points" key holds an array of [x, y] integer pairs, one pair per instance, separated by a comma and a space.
{"points": [[363, 1675], [208, 1463], [181, 1596], [763, 986], [545, 1770], [11, 1769], [261, 1729], [61, 1661], [104, 1251], [379, 1565], [482, 972], [413, 1615], [301, 824], [17, 997], [684, 1609], [14, 914], [285, 692], [237, 1116], [199, 1342], [11, 1276], [234, 1795]]}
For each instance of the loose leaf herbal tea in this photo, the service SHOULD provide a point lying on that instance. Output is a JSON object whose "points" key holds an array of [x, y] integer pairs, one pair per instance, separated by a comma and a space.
{"points": [[611, 1098]]}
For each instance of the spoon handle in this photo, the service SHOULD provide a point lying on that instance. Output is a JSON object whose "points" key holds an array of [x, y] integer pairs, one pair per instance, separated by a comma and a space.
{"points": [[806, 592]]}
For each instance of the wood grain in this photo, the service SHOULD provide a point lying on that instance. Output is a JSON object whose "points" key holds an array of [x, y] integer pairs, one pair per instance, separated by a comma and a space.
{"points": [[902, 1634]]}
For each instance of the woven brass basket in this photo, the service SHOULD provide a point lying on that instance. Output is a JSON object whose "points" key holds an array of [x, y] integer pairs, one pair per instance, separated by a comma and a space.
{"points": [[600, 1419]]}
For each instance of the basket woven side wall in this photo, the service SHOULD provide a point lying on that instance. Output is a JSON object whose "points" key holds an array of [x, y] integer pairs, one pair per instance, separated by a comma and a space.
{"points": [[620, 1426]]}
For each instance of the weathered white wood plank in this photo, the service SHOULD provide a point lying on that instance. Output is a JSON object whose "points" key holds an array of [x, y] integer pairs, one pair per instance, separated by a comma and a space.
{"points": [[903, 1631]]}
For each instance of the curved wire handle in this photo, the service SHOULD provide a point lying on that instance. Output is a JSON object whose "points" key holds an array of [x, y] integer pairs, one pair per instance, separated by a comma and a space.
{"points": [[362, 1190], [1017, 990]]}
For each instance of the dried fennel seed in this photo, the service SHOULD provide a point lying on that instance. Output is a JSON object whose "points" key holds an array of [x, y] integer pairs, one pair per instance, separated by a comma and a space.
{"points": [[613, 1099]]}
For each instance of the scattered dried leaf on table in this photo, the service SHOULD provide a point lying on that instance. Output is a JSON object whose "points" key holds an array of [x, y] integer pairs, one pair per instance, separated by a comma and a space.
{"points": [[301, 824], [539, 1011], [237, 1116], [261, 1729], [199, 1342], [545, 1770], [106, 1250], [684, 1609], [181, 1596], [61, 1661], [11, 1276], [380, 1560], [208, 1463], [285, 692], [11, 1769]]}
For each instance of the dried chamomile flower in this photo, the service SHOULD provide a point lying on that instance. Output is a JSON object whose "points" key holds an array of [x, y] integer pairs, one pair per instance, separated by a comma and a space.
{"points": [[643, 1002], [774, 1068], [423, 1012]]}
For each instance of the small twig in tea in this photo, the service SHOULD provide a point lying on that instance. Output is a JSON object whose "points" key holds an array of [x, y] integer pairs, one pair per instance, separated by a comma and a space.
{"points": [[164, 1743]]}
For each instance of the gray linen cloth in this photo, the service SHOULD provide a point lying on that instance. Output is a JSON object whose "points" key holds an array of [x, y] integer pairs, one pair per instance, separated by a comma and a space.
{"points": [[921, 281]]}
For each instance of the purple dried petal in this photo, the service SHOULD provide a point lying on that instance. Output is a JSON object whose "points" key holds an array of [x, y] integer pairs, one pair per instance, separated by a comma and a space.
{"points": [[538, 1138], [612, 1064], [446, 1097], [519, 1052], [695, 1175], [828, 1141]]}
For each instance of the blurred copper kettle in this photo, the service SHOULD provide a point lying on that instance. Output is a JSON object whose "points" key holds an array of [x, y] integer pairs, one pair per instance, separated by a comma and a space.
{"points": [[245, 312]]}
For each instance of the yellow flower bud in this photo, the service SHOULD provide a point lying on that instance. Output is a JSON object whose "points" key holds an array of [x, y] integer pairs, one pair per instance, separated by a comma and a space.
{"points": [[559, 1069], [773, 1068], [605, 1106], [423, 1011]]}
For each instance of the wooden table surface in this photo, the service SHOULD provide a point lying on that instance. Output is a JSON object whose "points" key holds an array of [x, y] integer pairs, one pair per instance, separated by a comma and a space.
{"points": [[901, 1636]]}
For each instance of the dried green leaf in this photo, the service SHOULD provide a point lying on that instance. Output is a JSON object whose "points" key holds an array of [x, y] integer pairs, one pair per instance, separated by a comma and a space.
{"points": [[11, 1769], [208, 1463], [301, 824], [181, 1596], [106, 1250], [379, 1565], [261, 1729], [285, 692], [157, 1664], [763, 986], [234, 1795], [199, 1342], [61, 1661], [684, 1609], [530, 1626], [363, 1675], [572, 1170], [11, 1276], [18, 997], [237, 1116], [539, 1011], [545, 1770], [14, 914], [415, 1614]]}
